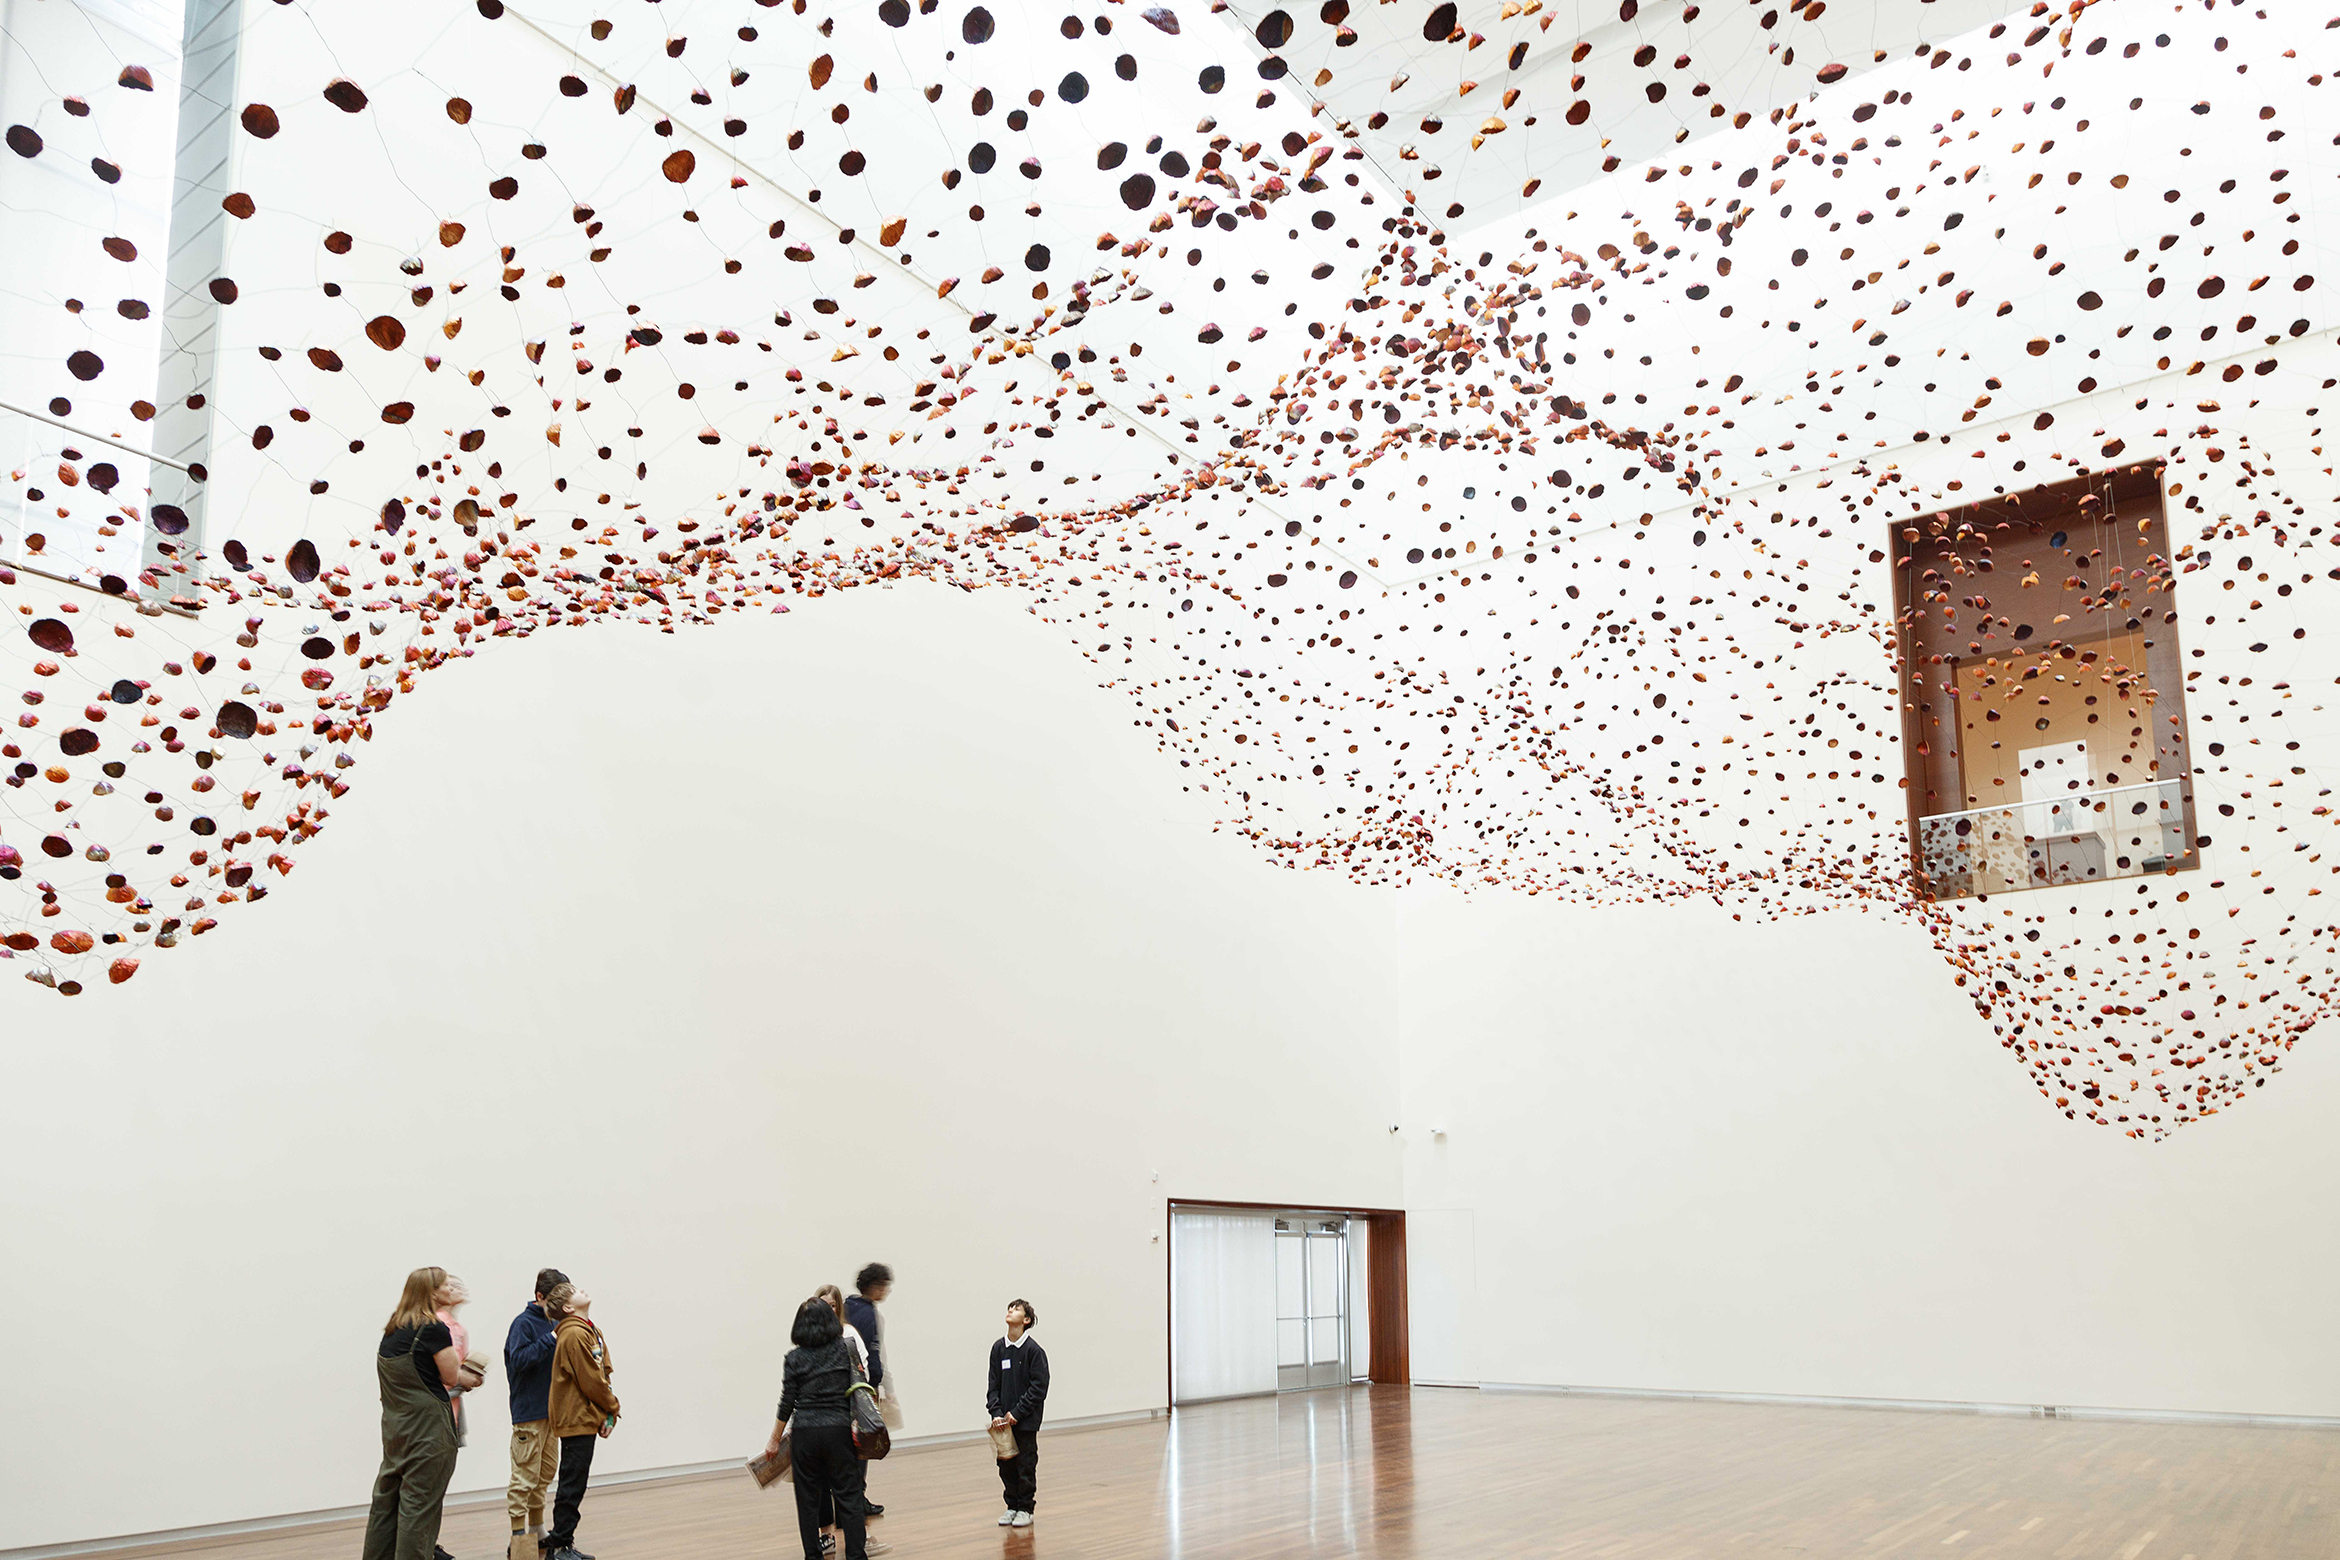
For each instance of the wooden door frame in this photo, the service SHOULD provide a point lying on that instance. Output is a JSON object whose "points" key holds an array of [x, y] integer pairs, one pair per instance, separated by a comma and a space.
{"points": [[1386, 1316]]}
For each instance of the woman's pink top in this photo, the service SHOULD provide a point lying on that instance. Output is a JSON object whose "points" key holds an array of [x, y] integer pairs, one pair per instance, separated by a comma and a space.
{"points": [[462, 1337]]}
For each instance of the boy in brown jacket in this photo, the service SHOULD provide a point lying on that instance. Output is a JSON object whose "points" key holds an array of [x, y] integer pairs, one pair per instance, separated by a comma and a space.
{"points": [[582, 1409]]}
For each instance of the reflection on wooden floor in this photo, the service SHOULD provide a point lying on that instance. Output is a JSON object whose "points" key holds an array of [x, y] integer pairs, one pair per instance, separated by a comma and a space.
{"points": [[1382, 1471]]}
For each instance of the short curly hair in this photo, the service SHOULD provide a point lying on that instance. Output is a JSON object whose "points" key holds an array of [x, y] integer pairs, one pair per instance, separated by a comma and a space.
{"points": [[1031, 1317], [871, 1277]]}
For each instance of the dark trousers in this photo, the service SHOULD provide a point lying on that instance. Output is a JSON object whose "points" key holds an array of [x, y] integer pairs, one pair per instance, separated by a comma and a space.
{"points": [[869, 1508], [576, 1468], [1019, 1476], [828, 1482]]}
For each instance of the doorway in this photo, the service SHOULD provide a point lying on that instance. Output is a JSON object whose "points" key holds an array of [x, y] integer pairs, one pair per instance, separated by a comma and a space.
{"points": [[1266, 1298], [1312, 1302]]}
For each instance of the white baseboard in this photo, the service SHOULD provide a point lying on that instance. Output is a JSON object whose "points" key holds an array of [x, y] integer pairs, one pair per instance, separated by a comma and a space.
{"points": [[2175, 1416], [216, 1533]]}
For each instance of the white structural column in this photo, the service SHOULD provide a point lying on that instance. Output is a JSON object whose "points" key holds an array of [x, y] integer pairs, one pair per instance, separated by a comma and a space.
{"points": [[202, 177]]}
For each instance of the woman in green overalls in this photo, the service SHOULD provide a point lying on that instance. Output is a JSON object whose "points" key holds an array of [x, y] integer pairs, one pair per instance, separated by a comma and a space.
{"points": [[417, 1364]]}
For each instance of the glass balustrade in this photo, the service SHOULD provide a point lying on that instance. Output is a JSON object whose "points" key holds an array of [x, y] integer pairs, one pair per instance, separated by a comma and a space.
{"points": [[2084, 837]]}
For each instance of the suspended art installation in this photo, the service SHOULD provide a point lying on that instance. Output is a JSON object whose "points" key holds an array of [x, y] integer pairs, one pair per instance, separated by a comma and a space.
{"points": [[1795, 457]]}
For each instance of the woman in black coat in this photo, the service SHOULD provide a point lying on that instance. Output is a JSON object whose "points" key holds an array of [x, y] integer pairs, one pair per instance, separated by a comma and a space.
{"points": [[814, 1416]]}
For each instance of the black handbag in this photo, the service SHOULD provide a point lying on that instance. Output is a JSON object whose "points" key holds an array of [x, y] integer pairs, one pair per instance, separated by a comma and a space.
{"points": [[871, 1439]]}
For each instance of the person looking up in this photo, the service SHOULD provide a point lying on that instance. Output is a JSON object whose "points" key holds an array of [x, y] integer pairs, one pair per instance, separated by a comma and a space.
{"points": [[1016, 1396], [582, 1409]]}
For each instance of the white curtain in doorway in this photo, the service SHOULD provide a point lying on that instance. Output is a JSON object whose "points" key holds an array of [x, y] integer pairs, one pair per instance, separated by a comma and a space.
{"points": [[1222, 1304]]}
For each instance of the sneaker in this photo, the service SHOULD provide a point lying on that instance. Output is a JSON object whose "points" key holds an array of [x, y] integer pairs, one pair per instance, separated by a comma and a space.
{"points": [[1007, 1518], [828, 1544], [1022, 1519]]}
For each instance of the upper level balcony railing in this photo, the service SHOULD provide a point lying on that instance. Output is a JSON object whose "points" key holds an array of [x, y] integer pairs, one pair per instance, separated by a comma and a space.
{"points": [[2084, 837]]}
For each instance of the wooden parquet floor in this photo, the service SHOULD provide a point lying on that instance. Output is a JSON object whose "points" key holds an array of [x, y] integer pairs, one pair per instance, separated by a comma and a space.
{"points": [[1387, 1472]]}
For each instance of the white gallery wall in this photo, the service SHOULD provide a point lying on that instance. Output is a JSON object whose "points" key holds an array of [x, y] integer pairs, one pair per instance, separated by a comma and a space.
{"points": [[1687, 1153], [707, 967], [711, 966]]}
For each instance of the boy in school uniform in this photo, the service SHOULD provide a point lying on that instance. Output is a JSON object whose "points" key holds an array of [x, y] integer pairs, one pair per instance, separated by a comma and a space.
{"points": [[1016, 1396]]}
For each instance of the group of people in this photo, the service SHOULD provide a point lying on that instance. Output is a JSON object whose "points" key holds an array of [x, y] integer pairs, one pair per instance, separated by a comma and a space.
{"points": [[557, 1365]]}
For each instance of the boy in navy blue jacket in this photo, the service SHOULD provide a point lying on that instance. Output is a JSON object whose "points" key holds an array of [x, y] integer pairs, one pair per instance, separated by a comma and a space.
{"points": [[536, 1451], [1016, 1396]]}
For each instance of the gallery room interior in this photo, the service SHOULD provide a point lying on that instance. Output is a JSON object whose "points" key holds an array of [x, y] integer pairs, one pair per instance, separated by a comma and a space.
{"points": [[1557, 763]]}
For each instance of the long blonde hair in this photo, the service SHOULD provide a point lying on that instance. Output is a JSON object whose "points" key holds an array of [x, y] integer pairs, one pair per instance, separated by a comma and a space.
{"points": [[417, 1305]]}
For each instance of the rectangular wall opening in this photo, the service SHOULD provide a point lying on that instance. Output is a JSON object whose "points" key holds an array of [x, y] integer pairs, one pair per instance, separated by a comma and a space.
{"points": [[2044, 711], [1266, 1299]]}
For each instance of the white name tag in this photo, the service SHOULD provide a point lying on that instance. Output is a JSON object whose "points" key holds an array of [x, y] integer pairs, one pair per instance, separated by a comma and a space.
{"points": [[1007, 1364]]}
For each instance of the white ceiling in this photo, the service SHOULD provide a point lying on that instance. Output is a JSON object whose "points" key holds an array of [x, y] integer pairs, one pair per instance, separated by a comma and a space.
{"points": [[1752, 56]]}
